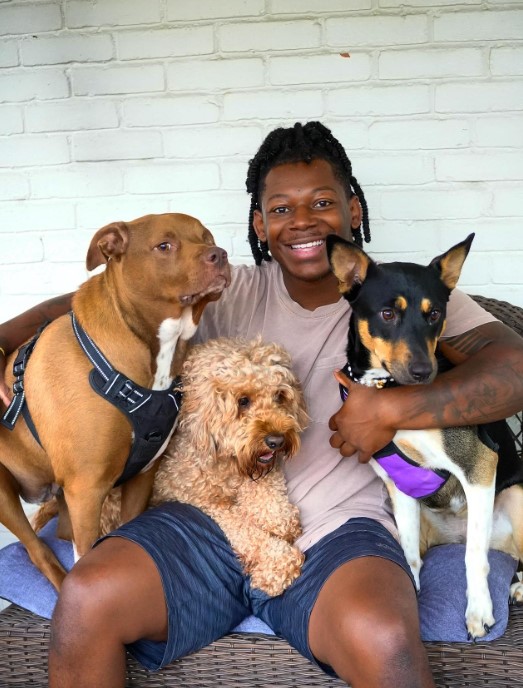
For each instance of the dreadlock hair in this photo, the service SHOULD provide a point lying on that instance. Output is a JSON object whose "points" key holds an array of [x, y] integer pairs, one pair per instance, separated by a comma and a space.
{"points": [[300, 143]]}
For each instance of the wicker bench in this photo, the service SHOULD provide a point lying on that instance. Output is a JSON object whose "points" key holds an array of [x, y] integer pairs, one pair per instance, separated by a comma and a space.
{"points": [[252, 660]]}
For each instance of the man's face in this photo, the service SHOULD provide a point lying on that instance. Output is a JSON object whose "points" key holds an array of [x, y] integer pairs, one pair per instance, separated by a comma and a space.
{"points": [[300, 204]]}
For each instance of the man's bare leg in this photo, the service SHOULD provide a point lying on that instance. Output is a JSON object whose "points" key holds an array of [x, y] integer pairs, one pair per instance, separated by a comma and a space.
{"points": [[365, 626], [112, 596]]}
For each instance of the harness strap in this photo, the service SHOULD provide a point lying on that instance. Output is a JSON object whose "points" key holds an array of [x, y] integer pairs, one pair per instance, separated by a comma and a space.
{"points": [[90, 349], [18, 404], [152, 413]]}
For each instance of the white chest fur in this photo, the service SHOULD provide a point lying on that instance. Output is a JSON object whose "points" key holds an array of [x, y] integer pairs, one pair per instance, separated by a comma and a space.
{"points": [[169, 332]]}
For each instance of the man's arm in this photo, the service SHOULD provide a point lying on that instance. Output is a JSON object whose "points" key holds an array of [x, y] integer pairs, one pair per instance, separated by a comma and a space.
{"points": [[485, 385], [19, 329]]}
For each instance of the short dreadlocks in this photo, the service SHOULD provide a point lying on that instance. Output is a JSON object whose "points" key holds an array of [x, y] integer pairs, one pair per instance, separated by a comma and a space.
{"points": [[300, 143]]}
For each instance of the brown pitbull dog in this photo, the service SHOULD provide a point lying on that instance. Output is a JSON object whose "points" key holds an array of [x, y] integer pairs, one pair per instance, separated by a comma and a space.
{"points": [[92, 408]]}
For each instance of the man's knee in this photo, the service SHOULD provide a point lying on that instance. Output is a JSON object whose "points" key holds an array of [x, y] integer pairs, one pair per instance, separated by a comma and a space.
{"points": [[378, 651], [95, 595], [87, 633], [82, 605]]}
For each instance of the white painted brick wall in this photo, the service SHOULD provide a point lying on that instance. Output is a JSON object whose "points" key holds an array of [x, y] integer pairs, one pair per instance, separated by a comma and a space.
{"points": [[116, 108], [45, 50], [210, 9]]}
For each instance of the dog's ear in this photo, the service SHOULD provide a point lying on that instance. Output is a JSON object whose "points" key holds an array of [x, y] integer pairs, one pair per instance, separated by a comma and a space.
{"points": [[109, 242], [348, 262], [449, 264]]}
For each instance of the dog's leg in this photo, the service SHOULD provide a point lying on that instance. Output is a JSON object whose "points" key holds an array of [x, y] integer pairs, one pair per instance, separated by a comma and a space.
{"points": [[480, 506], [14, 518], [516, 589], [507, 531], [407, 515], [84, 503], [265, 504], [271, 562], [64, 529], [136, 493]]}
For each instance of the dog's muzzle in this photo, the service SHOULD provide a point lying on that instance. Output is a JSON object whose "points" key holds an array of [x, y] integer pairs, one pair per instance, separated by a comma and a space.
{"points": [[274, 443]]}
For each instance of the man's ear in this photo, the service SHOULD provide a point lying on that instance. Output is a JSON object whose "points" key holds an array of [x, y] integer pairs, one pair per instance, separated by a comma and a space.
{"points": [[259, 225], [356, 213]]}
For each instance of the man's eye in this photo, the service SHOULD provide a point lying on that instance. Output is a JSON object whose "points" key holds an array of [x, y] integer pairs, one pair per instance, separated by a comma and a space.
{"points": [[164, 247], [279, 210], [324, 203]]}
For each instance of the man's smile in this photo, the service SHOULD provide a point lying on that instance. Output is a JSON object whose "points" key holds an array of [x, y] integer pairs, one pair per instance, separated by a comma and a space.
{"points": [[308, 244]]}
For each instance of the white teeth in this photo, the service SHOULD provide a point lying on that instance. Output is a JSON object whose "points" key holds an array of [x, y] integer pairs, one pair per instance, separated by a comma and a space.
{"points": [[309, 244]]}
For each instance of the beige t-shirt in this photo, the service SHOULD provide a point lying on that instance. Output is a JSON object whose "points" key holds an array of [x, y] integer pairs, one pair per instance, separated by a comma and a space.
{"points": [[327, 488]]}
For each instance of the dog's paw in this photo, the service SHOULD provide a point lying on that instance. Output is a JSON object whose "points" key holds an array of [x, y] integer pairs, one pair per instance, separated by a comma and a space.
{"points": [[479, 618], [290, 525], [274, 574], [283, 522], [415, 570], [516, 592]]}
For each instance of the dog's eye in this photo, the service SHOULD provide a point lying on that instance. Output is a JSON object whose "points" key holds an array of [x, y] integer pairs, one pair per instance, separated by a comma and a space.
{"points": [[164, 247], [434, 315], [280, 397], [388, 314], [244, 402]]}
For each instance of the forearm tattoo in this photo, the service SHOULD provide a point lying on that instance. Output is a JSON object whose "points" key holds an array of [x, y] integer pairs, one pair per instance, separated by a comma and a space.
{"points": [[468, 343], [485, 385]]}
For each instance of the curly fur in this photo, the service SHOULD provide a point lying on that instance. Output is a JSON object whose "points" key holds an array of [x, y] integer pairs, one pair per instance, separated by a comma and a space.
{"points": [[239, 397]]}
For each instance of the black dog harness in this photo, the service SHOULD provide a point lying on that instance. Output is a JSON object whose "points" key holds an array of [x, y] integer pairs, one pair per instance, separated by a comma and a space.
{"points": [[152, 413], [18, 404]]}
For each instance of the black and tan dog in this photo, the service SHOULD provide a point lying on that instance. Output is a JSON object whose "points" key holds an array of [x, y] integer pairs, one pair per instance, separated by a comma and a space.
{"points": [[444, 484]]}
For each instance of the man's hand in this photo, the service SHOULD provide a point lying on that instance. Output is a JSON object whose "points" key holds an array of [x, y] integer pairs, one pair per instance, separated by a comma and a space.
{"points": [[5, 393], [360, 424]]}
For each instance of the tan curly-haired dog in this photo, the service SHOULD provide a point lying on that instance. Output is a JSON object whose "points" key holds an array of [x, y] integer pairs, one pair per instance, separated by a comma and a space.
{"points": [[241, 416]]}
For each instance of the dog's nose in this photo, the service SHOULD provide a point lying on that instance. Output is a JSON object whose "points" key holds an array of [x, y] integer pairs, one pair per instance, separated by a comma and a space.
{"points": [[274, 441], [420, 371], [216, 255]]}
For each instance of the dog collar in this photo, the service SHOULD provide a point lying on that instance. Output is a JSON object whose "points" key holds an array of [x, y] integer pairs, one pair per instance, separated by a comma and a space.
{"points": [[378, 382]]}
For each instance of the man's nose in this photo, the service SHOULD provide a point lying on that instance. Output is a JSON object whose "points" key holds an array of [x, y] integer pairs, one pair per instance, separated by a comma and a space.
{"points": [[303, 217]]}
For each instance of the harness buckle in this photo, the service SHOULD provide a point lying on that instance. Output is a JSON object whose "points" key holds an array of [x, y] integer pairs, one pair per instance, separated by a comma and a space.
{"points": [[18, 387], [19, 367], [126, 390]]}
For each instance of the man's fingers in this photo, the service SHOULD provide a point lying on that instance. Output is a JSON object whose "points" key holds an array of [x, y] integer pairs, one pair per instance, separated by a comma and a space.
{"points": [[4, 395], [345, 448], [335, 440], [342, 378]]}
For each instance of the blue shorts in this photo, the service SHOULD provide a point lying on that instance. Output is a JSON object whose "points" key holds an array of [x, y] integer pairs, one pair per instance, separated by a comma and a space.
{"points": [[207, 593]]}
